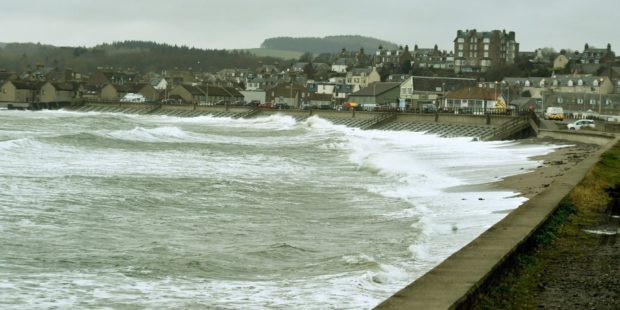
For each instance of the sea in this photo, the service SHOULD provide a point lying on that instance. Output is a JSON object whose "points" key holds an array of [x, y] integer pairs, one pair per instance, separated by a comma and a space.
{"points": [[120, 211]]}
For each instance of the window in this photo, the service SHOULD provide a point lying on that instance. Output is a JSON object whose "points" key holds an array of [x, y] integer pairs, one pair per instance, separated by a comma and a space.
{"points": [[579, 101], [607, 101], [595, 83], [569, 83], [592, 101], [486, 47], [460, 54], [486, 54], [461, 46], [560, 100], [580, 82], [460, 40]]}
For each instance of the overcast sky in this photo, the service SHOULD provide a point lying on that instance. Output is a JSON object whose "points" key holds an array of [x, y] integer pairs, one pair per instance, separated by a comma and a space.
{"points": [[246, 23]]}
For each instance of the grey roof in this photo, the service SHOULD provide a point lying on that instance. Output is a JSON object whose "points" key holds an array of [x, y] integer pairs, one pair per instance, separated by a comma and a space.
{"points": [[359, 71], [376, 89], [559, 80], [341, 62]]}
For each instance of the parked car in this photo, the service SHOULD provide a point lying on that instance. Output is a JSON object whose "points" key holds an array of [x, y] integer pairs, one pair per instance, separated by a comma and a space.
{"points": [[240, 102], [281, 106], [580, 124], [265, 105], [131, 97]]}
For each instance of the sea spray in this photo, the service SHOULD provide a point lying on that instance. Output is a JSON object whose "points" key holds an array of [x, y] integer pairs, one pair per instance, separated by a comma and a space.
{"points": [[112, 210]]}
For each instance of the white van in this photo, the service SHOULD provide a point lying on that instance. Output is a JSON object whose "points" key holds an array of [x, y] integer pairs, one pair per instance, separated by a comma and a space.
{"points": [[554, 113]]}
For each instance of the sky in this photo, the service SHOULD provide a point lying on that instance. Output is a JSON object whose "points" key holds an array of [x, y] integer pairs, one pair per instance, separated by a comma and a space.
{"points": [[231, 24]]}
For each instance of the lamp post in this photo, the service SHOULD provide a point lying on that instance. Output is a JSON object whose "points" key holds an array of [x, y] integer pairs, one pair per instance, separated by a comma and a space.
{"points": [[542, 102], [600, 96], [495, 97], [443, 94]]}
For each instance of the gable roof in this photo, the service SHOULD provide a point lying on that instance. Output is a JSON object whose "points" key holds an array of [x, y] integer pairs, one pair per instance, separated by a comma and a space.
{"points": [[24, 85]]}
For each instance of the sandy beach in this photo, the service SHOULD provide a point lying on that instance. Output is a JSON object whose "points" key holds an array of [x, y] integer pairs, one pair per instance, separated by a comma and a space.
{"points": [[554, 165]]}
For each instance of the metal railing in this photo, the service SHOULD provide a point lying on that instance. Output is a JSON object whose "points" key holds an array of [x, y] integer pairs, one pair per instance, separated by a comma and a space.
{"points": [[508, 128], [381, 119]]}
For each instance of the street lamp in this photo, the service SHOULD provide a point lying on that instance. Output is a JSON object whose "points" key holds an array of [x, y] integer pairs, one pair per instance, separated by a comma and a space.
{"points": [[495, 97], [600, 97], [443, 94]]}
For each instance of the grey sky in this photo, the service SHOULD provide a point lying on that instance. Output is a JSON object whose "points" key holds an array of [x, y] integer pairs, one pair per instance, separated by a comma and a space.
{"points": [[246, 23]]}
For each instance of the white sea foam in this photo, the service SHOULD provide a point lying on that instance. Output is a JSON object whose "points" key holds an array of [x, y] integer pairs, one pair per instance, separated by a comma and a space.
{"points": [[403, 178], [158, 134]]}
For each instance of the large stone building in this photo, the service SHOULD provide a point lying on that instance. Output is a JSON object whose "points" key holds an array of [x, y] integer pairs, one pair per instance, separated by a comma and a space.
{"points": [[476, 51]]}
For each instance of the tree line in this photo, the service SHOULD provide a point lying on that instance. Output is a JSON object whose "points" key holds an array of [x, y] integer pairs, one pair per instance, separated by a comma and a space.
{"points": [[141, 56]]}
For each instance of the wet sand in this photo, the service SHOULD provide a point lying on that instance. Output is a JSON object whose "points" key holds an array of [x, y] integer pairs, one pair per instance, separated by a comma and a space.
{"points": [[554, 164]]}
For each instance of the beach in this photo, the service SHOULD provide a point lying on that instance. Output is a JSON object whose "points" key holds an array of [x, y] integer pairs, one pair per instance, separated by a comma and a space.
{"points": [[553, 165]]}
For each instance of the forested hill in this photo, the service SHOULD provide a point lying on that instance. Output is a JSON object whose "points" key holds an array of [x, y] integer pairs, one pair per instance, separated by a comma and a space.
{"points": [[138, 55], [329, 44]]}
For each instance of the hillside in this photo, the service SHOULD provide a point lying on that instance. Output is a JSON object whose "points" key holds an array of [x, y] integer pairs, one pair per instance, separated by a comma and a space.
{"points": [[329, 44], [141, 56]]}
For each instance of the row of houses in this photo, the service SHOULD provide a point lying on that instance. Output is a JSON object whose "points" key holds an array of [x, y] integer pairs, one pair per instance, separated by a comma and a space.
{"points": [[45, 92], [575, 94]]}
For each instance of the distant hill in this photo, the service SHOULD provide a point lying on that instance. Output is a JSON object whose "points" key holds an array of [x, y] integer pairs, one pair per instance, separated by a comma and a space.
{"points": [[329, 44]]}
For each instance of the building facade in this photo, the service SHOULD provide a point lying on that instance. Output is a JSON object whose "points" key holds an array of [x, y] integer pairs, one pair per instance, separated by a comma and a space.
{"points": [[476, 51]]}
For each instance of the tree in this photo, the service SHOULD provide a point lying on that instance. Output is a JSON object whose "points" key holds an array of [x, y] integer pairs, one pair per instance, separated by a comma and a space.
{"points": [[323, 57], [309, 70], [306, 57]]}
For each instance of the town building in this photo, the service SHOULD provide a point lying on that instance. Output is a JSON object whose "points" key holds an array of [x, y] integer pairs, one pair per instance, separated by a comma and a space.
{"points": [[362, 77], [432, 58], [473, 99], [18, 91], [576, 104], [536, 86], [56, 92], [593, 55], [292, 94], [377, 93], [417, 91], [104, 76], [476, 51]]}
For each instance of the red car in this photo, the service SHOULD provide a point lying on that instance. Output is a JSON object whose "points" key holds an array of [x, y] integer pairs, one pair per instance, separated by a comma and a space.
{"points": [[265, 105]]}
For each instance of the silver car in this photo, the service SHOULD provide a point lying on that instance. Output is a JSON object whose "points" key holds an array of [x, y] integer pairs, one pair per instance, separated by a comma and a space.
{"points": [[580, 124]]}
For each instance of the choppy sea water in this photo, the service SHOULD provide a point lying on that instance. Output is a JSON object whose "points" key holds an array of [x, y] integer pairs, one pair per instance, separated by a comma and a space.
{"points": [[126, 211]]}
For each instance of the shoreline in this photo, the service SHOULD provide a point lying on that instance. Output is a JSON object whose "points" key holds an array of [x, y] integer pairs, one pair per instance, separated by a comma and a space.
{"points": [[534, 182], [553, 165], [453, 282]]}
